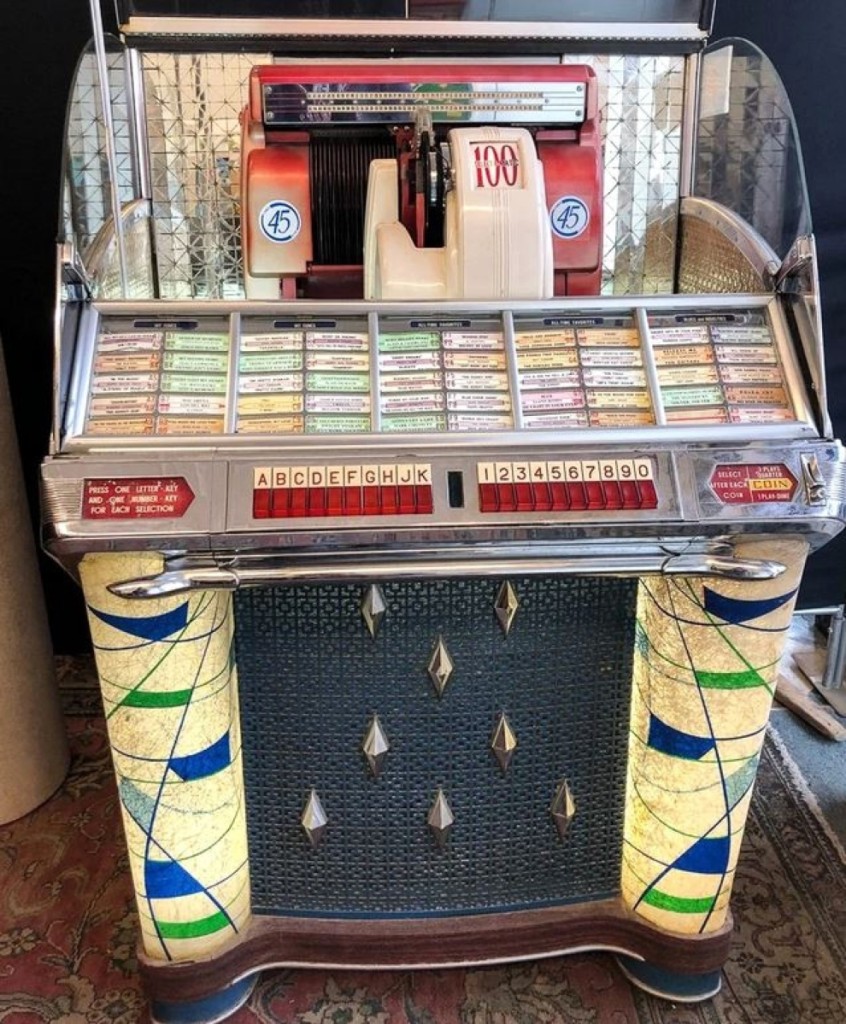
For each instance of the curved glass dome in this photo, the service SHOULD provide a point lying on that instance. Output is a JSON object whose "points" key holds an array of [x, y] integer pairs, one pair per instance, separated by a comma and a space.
{"points": [[748, 155]]}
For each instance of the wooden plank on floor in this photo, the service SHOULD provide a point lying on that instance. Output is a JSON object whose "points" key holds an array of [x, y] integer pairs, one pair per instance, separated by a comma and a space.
{"points": [[798, 698], [812, 663]]}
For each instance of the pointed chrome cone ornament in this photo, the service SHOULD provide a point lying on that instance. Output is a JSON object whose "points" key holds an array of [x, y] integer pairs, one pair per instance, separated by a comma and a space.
{"points": [[441, 819], [563, 808], [376, 747], [506, 605], [314, 820], [440, 666], [503, 743], [373, 609]]}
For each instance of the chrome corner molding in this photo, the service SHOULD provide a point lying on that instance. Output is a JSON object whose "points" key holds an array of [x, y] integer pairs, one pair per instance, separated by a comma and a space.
{"points": [[690, 118], [109, 134]]}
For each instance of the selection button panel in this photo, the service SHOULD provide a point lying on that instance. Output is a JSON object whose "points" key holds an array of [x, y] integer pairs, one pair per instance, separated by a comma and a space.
{"points": [[579, 485], [311, 492]]}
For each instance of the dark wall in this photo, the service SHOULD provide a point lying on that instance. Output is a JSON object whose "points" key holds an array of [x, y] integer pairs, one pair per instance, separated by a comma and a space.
{"points": [[41, 40]]}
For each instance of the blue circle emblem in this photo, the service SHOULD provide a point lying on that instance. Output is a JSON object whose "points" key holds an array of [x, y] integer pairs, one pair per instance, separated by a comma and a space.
{"points": [[569, 217], [280, 221]]}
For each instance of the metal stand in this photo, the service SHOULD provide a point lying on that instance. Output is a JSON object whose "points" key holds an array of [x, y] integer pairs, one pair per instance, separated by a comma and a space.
{"points": [[828, 673]]}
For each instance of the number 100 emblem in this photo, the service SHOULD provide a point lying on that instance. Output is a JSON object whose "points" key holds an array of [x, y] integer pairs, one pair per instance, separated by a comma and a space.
{"points": [[569, 217]]}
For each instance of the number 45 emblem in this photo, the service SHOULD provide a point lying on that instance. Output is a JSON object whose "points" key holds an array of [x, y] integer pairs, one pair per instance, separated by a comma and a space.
{"points": [[280, 221], [569, 217]]}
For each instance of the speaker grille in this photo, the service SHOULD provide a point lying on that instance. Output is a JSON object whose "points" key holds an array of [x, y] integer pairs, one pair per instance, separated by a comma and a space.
{"points": [[311, 680]]}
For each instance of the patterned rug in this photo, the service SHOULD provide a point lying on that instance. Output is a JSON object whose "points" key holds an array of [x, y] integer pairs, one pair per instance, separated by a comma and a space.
{"points": [[67, 927]]}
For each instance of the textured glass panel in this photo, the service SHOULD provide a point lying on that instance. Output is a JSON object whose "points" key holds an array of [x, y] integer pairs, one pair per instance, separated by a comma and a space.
{"points": [[748, 154], [87, 190], [193, 104], [107, 281], [194, 101], [640, 104]]}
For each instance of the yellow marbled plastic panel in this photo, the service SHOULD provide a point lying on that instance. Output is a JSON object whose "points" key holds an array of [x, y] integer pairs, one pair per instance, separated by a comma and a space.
{"points": [[169, 682], [706, 659]]}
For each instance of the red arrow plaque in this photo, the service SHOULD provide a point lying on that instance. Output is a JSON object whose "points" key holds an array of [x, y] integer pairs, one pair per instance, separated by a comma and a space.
{"points": [[752, 483], [136, 498]]}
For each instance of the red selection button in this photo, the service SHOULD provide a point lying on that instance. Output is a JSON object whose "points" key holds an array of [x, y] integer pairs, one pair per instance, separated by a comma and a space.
{"points": [[312, 492], [648, 494], [279, 503], [139, 498], [407, 501], [576, 485], [560, 498], [423, 493], [353, 501]]}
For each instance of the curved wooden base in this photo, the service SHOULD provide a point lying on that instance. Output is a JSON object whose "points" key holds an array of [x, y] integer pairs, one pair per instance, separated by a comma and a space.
{"points": [[409, 943]]}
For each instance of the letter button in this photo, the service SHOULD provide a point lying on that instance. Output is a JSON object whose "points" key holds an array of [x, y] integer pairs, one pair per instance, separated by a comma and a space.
{"points": [[299, 503], [407, 504], [280, 502], [261, 503], [352, 501], [423, 494], [317, 501]]}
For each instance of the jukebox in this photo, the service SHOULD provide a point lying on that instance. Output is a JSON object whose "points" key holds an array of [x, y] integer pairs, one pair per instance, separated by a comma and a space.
{"points": [[439, 435]]}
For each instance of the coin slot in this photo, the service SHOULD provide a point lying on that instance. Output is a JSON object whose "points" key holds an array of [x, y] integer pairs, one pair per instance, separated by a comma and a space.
{"points": [[455, 488]]}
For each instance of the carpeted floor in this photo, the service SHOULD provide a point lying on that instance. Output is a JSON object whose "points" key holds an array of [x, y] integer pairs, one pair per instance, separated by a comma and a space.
{"points": [[67, 937]]}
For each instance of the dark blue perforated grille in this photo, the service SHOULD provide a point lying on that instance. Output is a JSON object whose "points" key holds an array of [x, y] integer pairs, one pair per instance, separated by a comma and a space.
{"points": [[311, 678]]}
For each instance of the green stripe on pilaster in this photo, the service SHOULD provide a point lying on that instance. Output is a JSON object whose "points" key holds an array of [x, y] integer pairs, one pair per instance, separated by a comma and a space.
{"points": [[748, 680], [679, 904], [148, 699], [193, 929]]}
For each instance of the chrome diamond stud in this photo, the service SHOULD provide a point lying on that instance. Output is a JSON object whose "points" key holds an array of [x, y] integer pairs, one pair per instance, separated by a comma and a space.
{"points": [[441, 819], [314, 819], [376, 747], [373, 609], [563, 808], [503, 743], [440, 666], [506, 605]]}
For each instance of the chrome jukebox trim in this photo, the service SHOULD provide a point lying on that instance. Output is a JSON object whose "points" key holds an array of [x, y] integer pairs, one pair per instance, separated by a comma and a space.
{"points": [[690, 119], [109, 138], [801, 428], [393, 28], [642, 558], [293, 104], [650, 367]]}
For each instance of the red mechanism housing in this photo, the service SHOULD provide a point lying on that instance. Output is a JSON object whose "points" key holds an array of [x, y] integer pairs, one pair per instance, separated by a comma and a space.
{"points": [[309, 196]]}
